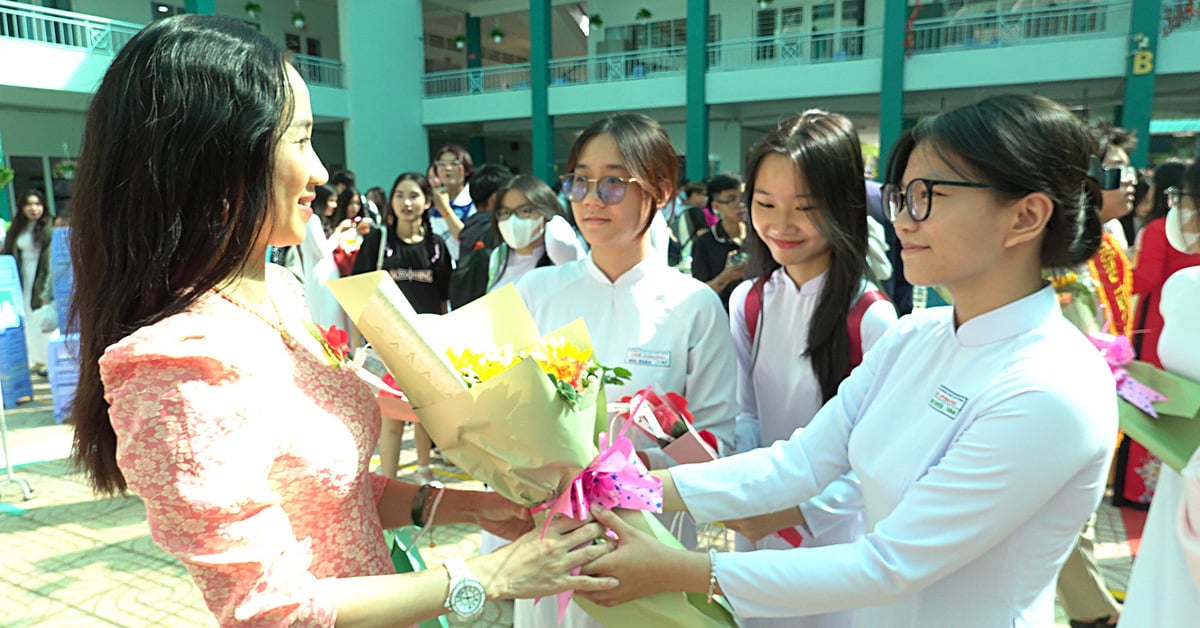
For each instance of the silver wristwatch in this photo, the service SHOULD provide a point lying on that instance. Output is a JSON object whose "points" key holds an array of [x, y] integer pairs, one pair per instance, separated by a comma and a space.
{"points": [[466, 595]]}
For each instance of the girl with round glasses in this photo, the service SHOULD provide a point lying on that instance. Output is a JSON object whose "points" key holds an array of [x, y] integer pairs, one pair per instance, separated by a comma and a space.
{"points": [[667, 328], [201, 388], [980, 433], [452, 204], [533, 231]]}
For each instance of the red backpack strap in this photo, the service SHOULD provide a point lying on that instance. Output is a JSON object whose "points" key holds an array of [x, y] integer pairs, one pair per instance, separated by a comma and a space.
{"points": [[854, 323], [754, 303]]}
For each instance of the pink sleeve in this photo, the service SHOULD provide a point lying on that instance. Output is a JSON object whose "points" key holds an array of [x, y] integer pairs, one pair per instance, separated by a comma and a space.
{"points": [[190, 445], [378, 484]]}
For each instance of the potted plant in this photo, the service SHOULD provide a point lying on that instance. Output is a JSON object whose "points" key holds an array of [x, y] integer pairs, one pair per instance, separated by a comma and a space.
{"points": [[298, 19], [595, 21], [460, 41], [253, 9], [497, 35], [64, 169], [642, 15]]}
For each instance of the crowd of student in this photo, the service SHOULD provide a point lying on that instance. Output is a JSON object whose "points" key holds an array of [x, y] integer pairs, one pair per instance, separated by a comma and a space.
{"points": [[938, 467]]}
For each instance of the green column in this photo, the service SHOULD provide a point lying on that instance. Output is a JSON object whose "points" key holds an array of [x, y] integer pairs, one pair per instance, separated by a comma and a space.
{"points": [[697, 106], [384, 114], [5, 210], [1137, 107], [540, 53], [891, 86], [200, 7], [474, 45]]}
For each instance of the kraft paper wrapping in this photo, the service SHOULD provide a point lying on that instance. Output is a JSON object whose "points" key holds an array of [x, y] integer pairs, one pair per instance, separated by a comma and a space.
{"points": [[512, 431], [1175, 435], [395, 331]]}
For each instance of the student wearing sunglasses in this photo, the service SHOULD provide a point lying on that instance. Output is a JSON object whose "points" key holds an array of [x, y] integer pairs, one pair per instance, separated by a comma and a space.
{"points": [[669, 329], [981, 433]]}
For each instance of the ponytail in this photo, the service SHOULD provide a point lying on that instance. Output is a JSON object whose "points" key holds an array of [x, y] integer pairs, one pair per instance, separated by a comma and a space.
{"points": [[1087, 241]]}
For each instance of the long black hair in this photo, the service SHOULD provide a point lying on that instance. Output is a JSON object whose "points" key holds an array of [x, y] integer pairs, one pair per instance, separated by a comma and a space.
{"points": [[174, 183], [389, 218], [342, 211], [825, 148], [20, 221], [1020, 145]]}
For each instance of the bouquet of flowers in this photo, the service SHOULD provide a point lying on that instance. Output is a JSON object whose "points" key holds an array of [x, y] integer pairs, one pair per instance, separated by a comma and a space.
{"points": [[571, 369], [666, 419], [1076, 297], [524, 413], [1158, 409]]}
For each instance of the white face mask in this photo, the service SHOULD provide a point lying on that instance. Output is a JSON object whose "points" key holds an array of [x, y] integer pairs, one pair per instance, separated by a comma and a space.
{"points": [[521, 232], [1183, 241]]}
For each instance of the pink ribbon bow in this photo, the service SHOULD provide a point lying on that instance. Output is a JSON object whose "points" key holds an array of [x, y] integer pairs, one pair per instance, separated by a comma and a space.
{"points": [[615, 478], [1118, 352]]}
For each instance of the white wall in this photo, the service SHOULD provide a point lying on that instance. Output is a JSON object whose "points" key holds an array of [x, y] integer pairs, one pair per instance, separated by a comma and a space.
{"points": [[725, 150], [35, 133]]}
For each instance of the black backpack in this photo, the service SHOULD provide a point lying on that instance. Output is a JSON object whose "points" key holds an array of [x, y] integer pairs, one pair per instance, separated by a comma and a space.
{"points": [[469, 279]]}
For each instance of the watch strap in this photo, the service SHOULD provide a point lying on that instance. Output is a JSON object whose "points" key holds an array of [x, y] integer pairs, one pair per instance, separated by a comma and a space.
{"points": [[419, 500]]}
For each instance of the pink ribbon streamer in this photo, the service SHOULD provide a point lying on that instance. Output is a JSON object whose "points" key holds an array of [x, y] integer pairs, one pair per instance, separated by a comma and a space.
{"points": [[1118, 352], [615, 478]]}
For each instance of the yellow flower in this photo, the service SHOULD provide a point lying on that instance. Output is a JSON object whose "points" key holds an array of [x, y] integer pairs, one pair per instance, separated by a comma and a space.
{"points": [[566, 362]]}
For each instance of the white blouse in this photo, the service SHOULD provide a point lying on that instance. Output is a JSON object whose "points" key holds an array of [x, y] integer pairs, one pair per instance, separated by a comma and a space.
{"points": [[981, 451], [778, 393], [669, 329]]}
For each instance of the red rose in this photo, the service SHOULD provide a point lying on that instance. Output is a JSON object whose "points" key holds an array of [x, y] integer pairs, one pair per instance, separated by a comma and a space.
{"points": [[390, 381], [338, 341], [710, 439]]}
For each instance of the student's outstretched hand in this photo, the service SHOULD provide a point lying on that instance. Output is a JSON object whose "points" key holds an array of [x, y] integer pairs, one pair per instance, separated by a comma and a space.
{"points": [[641, 564], [503, 518], [536, 566]]}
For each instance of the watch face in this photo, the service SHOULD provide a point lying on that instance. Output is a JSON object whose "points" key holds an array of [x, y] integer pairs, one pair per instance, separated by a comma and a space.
{"points": [[467, 598]]}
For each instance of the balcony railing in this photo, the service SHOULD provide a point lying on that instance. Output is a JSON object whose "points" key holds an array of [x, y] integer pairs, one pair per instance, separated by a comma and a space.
{"points": [[1019, 27], [62, 28], [621, 66], [495, 78], [319, 70], [1180, 15], [800, 48]]}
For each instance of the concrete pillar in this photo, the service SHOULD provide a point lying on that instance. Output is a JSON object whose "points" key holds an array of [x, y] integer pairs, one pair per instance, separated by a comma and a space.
{"points": [[382, 48]]}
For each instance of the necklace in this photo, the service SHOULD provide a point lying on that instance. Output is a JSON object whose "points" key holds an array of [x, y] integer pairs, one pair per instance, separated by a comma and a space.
{"points": [[288, 340]]}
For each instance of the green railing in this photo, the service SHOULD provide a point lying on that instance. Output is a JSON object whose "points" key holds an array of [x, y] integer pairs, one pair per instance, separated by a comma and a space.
{"points": [[63, 28], [1014, 28], [796, 48]]}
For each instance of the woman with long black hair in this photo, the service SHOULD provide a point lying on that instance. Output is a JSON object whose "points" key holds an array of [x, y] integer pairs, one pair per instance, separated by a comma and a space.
{"points": [[28, 240], [201, 388]]}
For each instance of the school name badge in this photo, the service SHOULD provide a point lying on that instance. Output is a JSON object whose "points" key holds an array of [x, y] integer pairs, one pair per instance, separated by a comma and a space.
{"points": [[648, 357], [947, 402]]}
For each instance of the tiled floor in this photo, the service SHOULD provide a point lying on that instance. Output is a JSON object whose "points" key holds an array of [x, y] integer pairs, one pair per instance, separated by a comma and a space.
{"points": [[72, 559]]}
